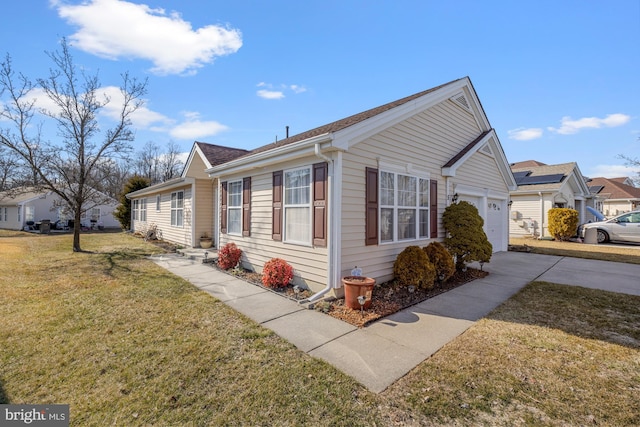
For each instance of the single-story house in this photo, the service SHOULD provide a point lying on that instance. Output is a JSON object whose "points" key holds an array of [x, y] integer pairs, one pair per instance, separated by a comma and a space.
{"points": [[182, 209], [357, 191], [542, 187], [615, 195], [20, 209]]}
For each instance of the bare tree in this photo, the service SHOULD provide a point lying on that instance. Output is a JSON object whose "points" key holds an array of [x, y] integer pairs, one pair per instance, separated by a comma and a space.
{"points": [[69, 167], [633, 162], [147, 164], [170, 164], [158, 166]]}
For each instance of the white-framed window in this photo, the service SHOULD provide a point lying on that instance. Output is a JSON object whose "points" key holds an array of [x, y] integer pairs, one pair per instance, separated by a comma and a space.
{"points": [[5, 214], [143, 209], [30, 213], [177, 208], [135, 209], [158, 202], [234, 207], [404, 207], [19, 214], [297, 205]]}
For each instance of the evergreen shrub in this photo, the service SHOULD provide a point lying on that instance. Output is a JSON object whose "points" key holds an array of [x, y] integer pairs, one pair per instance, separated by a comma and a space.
{"points": [[466, 240], [441, 259], [413, 268]]}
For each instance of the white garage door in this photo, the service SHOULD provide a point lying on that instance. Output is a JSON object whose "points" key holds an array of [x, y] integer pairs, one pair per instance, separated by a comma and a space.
{"points": [[493, 220]]}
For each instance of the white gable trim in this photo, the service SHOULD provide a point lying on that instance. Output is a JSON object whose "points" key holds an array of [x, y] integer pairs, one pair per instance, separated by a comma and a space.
{"points": [[490, 139], [359, 132], [195, 150]]}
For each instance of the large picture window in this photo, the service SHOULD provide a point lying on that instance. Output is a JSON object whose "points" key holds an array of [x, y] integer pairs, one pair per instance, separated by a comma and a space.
{"points": [[234, 207], [404, 207], [177, 208], [297, 206]]}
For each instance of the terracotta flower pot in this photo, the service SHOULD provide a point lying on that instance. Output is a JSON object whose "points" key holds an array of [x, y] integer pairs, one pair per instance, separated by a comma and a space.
{"points": [[206, 243], [355, 286]]}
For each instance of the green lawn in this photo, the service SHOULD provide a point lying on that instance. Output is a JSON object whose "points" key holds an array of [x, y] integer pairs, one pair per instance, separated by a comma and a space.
{"points": [[124, 342]]}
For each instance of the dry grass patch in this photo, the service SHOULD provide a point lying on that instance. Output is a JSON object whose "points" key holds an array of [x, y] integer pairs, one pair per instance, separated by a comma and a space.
{"points": [[124, 342], [552, 355], [628, 253]]}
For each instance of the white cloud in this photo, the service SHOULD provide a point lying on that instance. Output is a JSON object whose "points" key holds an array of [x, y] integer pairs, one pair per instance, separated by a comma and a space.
{"points": [[193, 128], [143, 117], [522, 134], [569, 126], [298, 89], [614, 171], [270, 94], [119, 29]]}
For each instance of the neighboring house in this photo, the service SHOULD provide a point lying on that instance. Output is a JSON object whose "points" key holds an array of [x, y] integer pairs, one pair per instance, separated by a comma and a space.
{"points": [[542, 187], [20, 208], [357, 191], [182, 209], [615, 195]]}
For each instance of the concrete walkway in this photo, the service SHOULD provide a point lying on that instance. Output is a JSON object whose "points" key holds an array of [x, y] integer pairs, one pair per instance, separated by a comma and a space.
{"points": [[385, 351]]}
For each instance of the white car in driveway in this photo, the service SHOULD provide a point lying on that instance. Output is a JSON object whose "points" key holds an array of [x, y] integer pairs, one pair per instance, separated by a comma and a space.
{"points": [[622, 228]]}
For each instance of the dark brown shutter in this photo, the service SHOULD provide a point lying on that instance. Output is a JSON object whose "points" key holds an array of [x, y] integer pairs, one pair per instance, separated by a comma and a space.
{"points": [[433, 208], [223, 208], [371, 213], [246, 207], [320, 171], [276, 215]]}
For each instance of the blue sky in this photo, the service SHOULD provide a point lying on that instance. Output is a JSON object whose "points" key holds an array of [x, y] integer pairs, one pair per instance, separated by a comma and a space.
{"points": [[558, 79]]}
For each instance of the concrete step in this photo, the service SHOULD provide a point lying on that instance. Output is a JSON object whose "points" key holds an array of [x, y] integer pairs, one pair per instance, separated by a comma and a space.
{"points": [[198, 253]]}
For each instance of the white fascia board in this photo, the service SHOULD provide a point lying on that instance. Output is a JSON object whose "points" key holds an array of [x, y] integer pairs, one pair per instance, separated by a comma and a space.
{"points": [[287, 152], [169, 185], [359, 132], [581, 182]]}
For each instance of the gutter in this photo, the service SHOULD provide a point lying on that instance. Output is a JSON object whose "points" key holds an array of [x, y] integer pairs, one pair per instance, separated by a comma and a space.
{"points": [[333, 225]]}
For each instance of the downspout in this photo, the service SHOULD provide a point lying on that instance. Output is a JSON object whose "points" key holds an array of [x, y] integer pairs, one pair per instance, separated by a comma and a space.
{"points": [[332, 224]]}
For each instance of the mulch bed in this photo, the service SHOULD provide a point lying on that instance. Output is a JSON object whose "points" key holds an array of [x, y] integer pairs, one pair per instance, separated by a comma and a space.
{"points": [[390, 297], [387, 298]]}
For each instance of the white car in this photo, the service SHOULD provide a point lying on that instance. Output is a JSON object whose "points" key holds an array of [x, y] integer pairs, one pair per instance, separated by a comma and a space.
{"points": [[624, 228]]}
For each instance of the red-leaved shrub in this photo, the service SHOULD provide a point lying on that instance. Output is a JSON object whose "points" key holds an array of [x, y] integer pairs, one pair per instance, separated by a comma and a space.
{"points": [[229, 256], [277, 273]]}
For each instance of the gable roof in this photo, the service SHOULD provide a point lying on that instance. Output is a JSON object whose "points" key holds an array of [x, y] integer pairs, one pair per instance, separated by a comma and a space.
{"points": [[18, 196], [527, 164], [340, 135], [341, 124], [211, 155], [547, 177], [614, 189], [218, 154]]}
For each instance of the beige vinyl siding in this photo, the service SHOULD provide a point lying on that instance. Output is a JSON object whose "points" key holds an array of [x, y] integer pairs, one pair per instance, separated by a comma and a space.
{"points": [[309, 263], [524, 208], [197, 169], [162, 219], [204, 209], [481, 170], [425, 141], [614, 208]]}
